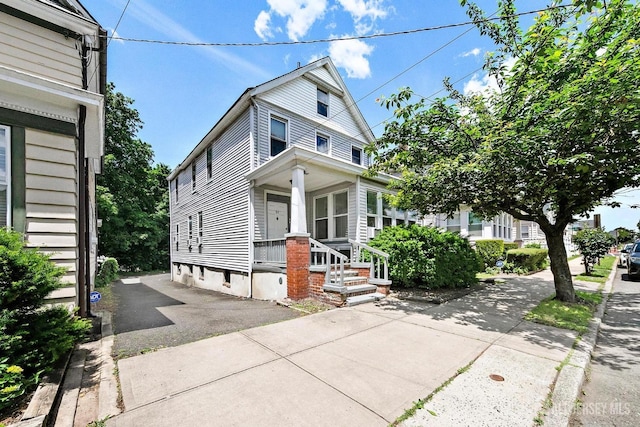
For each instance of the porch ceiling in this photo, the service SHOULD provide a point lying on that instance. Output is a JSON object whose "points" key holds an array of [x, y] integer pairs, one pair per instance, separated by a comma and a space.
{"points": [[321, 170]]}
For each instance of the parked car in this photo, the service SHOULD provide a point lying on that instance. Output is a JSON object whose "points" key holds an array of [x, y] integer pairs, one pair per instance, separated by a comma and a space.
{"points": [[624, 255], [633, 261]]}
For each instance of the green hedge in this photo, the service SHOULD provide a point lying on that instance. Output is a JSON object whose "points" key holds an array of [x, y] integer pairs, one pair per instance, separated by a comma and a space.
{"points": [[108, 272], [530, 259], [32, 336], [425, 257], [490, 251]]}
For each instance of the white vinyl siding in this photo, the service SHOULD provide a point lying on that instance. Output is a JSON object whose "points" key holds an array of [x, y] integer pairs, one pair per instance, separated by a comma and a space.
{"points": [[52, 198], [32, 49], [223, 200]]}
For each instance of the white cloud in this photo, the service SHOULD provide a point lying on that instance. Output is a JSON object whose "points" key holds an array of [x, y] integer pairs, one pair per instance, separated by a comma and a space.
{"points": [[350, 55], [486, 84], [153, 18], [300, 14], [364, 13], [261, 25], [116, 35], [473, 52]]}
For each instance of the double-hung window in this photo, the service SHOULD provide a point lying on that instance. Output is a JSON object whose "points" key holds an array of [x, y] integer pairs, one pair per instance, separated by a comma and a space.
{"points": [[209, 162], [5, 177], [193, 176], [323, 103], [387, 213], [453, 223], [322, 143], [331, 216], [372, 209], [278, 136], [475, 224], [356, 155]]}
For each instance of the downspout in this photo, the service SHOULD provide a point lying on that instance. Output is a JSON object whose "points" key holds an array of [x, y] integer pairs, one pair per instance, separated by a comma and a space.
{"points": [[252, 144], [83, 301]]}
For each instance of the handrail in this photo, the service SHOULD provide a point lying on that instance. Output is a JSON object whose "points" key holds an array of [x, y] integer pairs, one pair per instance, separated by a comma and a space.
{"points": [[329, 256], [375, 270]]}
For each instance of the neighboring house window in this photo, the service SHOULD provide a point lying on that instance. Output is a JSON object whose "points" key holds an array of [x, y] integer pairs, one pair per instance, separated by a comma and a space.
{"points": [[475, 225], [322, 218], [322, 143], [5, 177], [278, 136], [387, 213], [453, 223], [190, 228], [176, 182], [524, 231], [400, 217], [323, 103], [193, 176], [209, 162], [177, 238], [372, 208], [412, 217], [200, 225], [340, 215], [356, 155]]}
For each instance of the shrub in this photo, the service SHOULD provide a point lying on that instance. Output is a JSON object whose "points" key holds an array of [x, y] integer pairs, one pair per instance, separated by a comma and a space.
{"points": [[12, 383], [108, 272], [532, 245], [31, 336], [509, 245], [490, 251], [593, 244], [529, 259], [427, 258]]}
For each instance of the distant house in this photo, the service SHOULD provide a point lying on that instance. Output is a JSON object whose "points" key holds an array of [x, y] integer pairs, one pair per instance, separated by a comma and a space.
{"points": [[52, 80], [474, 226], [272, 202]]}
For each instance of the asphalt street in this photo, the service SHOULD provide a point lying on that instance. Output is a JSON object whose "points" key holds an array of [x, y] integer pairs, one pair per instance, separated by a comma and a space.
{"points": [[153, 312], [611, 394]]}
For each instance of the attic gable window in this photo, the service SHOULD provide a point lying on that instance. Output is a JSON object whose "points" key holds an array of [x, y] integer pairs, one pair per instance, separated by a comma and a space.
{"points": [[193, 176], [210, 162], [356, 155], [278, 136], [323, 103]]}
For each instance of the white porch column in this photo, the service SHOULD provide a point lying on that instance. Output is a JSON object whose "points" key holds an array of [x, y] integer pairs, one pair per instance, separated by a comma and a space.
{"points": [[298, 210]]}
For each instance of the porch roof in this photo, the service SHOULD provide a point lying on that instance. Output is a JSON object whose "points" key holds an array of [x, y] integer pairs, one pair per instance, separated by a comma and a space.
{"points": [[321, 170]]}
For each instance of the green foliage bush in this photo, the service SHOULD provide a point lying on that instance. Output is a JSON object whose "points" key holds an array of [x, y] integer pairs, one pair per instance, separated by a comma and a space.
{"points": [[11, 382], [526, 260], [490, 251], [593, 244], [533, 245], [32, 337], [108, 272], [510, 245], [425, 257]]}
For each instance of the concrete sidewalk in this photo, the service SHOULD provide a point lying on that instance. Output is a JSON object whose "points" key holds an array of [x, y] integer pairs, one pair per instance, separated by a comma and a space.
{"points": [[360, 366]]}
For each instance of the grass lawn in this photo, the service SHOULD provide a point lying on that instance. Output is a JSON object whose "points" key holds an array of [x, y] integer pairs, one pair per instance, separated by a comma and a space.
{"points": [[600, 272], [567, 316]]}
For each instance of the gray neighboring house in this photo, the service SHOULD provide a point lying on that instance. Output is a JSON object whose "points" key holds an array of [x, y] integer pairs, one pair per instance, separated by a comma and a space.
{"points": [[52, 81], [272, 202]]}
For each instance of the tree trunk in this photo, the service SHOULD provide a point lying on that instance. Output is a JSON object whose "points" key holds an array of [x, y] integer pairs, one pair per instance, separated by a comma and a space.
{"points": [[560, 265]]}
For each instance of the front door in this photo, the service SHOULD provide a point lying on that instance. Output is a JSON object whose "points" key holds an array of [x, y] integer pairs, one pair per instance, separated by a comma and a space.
{"points": [[277, 219]]}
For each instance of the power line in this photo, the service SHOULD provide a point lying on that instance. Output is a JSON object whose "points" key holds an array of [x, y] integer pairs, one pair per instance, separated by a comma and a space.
{"points": [[329, 40], [118, 23]]}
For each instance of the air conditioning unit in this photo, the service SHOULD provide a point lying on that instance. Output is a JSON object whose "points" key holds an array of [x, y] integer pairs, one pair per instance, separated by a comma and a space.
{"points": [[198, 241], [371, 232]]}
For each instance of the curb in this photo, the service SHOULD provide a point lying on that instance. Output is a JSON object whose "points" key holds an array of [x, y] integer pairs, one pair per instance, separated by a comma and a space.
{"points": [[571, 377], [108, 391]]}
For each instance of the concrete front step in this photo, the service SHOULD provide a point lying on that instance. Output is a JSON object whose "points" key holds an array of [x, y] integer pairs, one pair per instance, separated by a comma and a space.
{"points": [[349, 290], [362, 299]]}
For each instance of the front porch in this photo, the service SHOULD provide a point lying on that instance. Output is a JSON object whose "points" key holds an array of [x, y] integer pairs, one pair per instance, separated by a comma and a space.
{"points": [[310, 222]]}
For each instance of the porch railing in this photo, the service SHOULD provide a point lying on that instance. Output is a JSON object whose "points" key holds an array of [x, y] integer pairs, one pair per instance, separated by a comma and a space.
{"points": [[272, 251], [332, 260], [378, 260]]}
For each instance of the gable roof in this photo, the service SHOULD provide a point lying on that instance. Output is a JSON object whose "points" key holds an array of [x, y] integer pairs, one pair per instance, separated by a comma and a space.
{"points": [[73, 6], [244, 101]]}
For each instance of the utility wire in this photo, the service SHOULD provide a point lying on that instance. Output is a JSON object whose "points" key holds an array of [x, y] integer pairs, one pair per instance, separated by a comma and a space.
{"points": [[118, 24], [329, 40]]}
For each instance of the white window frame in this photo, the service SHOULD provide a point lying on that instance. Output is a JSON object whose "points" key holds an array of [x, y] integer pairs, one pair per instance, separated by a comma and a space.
{"points": [[470, 232], [177, 189], [209, 155], [318, 101], [194, 175], [328, 138], [7, 180], [286, 131], [376, 214], [331, 216], [361, 154], [451, 224]]}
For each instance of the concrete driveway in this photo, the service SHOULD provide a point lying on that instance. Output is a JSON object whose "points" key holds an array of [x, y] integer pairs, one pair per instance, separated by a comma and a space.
{"points": [[360, 366], [154, 312]]}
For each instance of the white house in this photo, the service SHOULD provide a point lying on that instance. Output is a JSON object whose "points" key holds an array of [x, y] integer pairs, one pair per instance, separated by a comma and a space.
{"points": [[52, 80], [474, 227], [272, 202]]}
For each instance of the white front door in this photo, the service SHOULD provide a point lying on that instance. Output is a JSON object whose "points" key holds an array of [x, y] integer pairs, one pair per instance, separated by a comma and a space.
{"points": [[277, 219]]}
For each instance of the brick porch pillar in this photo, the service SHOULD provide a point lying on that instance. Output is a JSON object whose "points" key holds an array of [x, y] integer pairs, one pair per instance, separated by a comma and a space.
{"points": [[298, 258]]}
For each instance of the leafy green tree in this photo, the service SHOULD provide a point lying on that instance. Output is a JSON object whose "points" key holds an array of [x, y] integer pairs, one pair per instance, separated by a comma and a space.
{"points": [[624, 235], [132, 196], [558, 137], [593, 244]]}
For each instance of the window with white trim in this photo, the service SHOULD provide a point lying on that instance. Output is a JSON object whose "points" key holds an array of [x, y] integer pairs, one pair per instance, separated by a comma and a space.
{"points": [[387, 213], [331, 216], [356, 155], [322, 143], [278, 132], [193, 176], [372, 209], [323, 103], [453, 223], [209, 162], [5, 176], [475, 225]]}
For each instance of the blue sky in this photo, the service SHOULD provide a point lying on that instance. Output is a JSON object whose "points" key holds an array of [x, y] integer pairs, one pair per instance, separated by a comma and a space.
{"points": [[181, 91]]}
